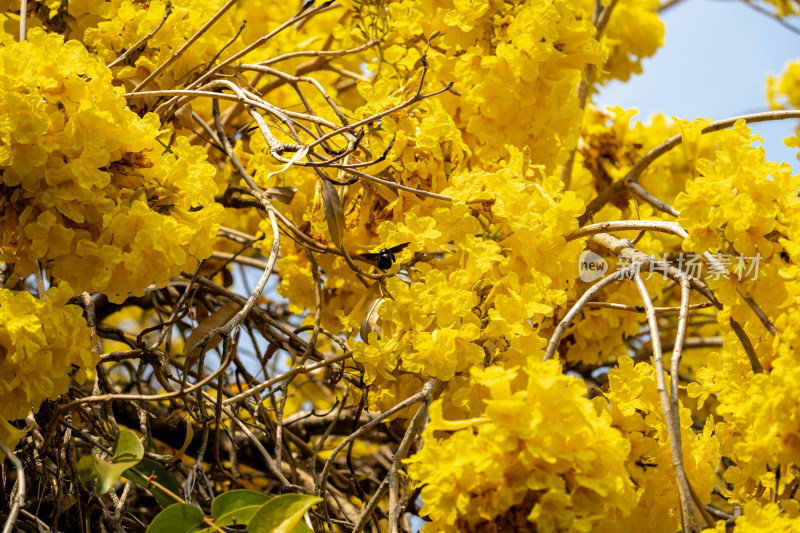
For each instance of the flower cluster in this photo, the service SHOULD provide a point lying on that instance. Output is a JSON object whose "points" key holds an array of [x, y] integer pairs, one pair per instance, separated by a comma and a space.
{"points": [[784, 90], [106, 198], [634, 32], [756, 421], [122, 23], [530, 66], [540, 454], [635, 408], [765, 518], [42, 342], [490, 288], [785, 7], [755, 205], [87, 191], [739, 204]]}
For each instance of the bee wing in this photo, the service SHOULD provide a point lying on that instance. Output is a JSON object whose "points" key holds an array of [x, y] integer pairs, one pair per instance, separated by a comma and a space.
{"points": [[371, 256], [399, 248]]}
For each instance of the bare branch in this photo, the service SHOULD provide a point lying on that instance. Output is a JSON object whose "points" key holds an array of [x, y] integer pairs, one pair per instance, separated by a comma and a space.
{"points": [[18, 497], [23, 20], [691, 522], [124, 55]]}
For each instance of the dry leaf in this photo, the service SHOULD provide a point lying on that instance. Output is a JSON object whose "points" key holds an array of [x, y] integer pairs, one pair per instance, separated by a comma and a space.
{"points": [[217, 319], [184, 116], [283, 195], [370, 322], [186, 441], [334, 213]]}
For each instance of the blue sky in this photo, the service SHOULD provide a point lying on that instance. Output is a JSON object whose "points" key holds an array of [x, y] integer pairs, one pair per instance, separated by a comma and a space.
{"points": [[714, 64]]}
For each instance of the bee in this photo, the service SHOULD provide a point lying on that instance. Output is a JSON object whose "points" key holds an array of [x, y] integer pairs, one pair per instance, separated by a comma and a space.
{"points": [[644, 464], [385, 258]]}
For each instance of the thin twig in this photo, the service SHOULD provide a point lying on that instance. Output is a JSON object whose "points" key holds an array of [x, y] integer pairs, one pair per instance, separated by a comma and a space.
{"points": [[640, 309], [666, 5], [302, 369], [595, 289], [414, 99], [319, 53], [18, 500], [259, 42], [428, 390], [23, 20], [318, 63], [762, 316], [102, 398], [43, 528], [755, 364], [600, 18], [774, 16], [141, 41], [39, 281], [395, 505], [179, 52], [626, 225], [267, 458]]}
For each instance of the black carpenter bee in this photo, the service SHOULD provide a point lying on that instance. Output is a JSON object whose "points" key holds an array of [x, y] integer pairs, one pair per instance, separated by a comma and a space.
{"points": [[645, 464], [385, 258]]}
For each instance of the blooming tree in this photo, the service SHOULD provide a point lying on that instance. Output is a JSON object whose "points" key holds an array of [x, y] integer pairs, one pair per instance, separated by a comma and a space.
{"points": [[346, 265]]}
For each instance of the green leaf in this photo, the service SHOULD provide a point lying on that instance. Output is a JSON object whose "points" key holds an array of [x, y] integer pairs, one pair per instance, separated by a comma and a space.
{"points": [[128, 451], [235, 507], [178, 518], [87, 468], [149, 468], [281, 514], [301, 527]]}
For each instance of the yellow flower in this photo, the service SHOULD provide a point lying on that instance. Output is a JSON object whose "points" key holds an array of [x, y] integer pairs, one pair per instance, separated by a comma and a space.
{"points": [[634, 32], [86, 188], [633, 402], [529, 68], [378, 356], [10, 436], [42, 342], [541, 455], [444, 351], [766, 518]]}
